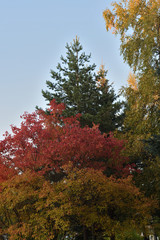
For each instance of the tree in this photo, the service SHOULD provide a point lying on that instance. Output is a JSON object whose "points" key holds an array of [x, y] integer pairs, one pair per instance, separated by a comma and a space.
{"points": [[87, 205], [84, 205], [82, 91], [44, 143], [138, 23], [140, 122], [150, 177], [19, 198]]}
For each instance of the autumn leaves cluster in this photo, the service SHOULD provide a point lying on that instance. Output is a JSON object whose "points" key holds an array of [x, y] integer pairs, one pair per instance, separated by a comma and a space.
{"points": [[88, 167], [54, 181]]}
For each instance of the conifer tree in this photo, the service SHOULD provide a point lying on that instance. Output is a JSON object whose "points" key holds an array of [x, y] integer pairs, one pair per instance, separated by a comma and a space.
{"points": [[76, 84]]}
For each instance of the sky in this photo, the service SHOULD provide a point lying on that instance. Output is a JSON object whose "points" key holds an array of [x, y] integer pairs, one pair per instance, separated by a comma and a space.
{"points": [[33, 36]]}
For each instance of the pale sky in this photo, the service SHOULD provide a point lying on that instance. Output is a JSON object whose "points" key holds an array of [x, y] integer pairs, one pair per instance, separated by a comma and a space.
{"points": [[33, 35]]}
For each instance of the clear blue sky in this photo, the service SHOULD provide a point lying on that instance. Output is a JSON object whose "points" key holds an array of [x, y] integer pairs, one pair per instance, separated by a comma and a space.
{"points": [[33, 35]]}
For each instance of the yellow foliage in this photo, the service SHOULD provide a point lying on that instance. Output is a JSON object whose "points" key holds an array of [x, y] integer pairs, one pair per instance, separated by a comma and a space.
{"points": [[102, 79], [86, 197], [132, 81]]}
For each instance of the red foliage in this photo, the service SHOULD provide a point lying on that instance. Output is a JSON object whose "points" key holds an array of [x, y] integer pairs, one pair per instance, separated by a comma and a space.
{"points": [[46, 142]]}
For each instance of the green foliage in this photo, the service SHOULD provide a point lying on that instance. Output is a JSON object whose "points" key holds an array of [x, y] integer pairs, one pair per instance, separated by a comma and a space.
{"points": [[153, 145], [17, 205], [132, 235], [87, 203], [83, 91], [83, 205], [138, 23], [149, 180]]}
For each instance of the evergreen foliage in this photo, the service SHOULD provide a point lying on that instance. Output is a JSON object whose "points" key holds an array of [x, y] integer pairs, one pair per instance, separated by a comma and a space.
{"points": [[83, 91], [153, 145]]}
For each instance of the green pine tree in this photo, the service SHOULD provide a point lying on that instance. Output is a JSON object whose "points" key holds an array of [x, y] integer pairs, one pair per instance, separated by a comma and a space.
{"points": [[76, 84]]}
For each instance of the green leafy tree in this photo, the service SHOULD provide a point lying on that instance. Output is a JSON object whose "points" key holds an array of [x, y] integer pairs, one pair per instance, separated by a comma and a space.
{"points": [[88, 205], [18, 197], [149, 179], [138, 23], [83, 91], [84, 205]]}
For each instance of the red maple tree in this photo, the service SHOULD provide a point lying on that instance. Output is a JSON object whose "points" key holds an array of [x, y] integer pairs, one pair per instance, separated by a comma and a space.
{"points": [[45, 142]]}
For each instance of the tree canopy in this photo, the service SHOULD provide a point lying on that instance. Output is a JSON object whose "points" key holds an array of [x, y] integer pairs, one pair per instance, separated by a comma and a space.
{"points": [[138, 24], [84, 205], [44, 143], [63, 173], [76, 84]]}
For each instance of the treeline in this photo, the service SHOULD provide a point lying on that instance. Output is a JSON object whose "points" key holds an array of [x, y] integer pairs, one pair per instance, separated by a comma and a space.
{"points": [[88, 166]]}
